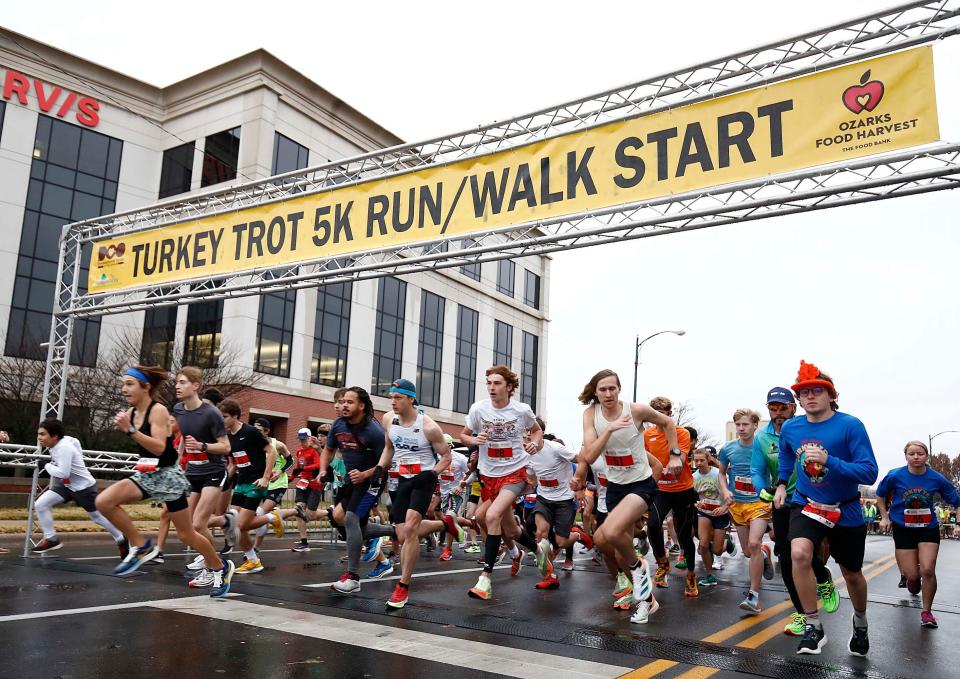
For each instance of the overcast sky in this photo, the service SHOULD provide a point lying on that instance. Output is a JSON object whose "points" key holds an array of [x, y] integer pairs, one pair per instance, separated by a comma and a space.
{"points": [[868, 293]]}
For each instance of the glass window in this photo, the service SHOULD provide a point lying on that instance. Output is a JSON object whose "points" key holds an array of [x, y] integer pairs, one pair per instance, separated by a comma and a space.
{"points": [[275, 332], [176, 171], [69, 172], [159, 332], [220, 154], [288, 155], [528, 370], [506, 273], [3, 106], [388, 341], [201, 347], [465, 370], [502, 343], [470, 270], [531, 289], [430, 353], [331, 334]]}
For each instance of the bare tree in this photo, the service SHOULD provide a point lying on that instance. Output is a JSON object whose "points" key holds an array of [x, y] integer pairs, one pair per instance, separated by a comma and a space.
{"points": [[683, 415], [21, 388], [942, 463]]}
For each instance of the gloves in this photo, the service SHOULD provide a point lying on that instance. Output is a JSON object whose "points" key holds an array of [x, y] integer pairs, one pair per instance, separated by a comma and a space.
{"points": [[377, 478], [767, 494]]}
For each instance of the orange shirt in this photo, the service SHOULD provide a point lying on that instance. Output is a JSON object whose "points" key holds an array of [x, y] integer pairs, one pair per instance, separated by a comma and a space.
{"points": [[656, 444]]}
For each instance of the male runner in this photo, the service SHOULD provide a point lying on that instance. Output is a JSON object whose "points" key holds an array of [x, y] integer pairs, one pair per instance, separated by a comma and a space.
{"points": [[278, 477], [497, 425], [713, 516], [452, 487], [612, 428], [833, 455], [764, 468]]}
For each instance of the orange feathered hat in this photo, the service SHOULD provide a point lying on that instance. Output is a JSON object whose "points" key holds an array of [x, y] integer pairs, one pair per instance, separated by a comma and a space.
{"points": [[810, 375]]}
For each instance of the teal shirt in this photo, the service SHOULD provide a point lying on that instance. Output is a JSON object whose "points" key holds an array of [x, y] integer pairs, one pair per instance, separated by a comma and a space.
{"points": [[765, 461], [339, 472]]}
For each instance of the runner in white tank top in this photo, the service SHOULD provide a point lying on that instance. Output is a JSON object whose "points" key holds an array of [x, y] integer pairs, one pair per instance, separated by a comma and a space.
{"points": [[613, 429]]}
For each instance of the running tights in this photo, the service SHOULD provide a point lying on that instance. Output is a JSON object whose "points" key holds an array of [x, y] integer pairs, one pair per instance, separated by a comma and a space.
{"points": [[48, 500], [684, 519]]}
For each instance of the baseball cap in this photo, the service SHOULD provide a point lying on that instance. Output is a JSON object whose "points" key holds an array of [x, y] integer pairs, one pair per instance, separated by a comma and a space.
{"points": [[405, 387], [263, 422], [780, 395], [304, 433]]}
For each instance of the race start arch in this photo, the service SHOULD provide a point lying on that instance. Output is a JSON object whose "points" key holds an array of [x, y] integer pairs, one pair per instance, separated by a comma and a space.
{"points": [[838, 116]]}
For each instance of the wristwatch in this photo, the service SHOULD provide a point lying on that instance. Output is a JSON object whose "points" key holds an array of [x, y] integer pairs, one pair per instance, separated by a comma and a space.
{"points": [[203, 447], [676, 451], [131, 430]]}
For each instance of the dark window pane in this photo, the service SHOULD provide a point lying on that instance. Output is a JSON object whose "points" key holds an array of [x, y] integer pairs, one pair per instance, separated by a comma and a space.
{"points": [[176, 172], [288, 155], [388, 338], [275, 332], [531, 289], [529, 368], [94, 149], [502, 344], [331, 335], [159, 332], [506, 273], [64, 145], [430, 349], [470, 270], [202, 344], [465, 375], [3, 107], [220, 155]]}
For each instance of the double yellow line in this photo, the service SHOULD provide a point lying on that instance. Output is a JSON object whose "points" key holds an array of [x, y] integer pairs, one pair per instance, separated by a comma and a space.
{"points": [[769, 632]]}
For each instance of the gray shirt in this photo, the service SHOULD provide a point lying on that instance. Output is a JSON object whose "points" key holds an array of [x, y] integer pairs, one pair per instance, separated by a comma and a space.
{"points": [[206, 425]]}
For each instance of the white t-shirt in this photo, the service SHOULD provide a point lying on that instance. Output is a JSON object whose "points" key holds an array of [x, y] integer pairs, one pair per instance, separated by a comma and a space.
{"points": [[503, 453], [66, 464], [599, 467], [451, 477], [553, 467]]}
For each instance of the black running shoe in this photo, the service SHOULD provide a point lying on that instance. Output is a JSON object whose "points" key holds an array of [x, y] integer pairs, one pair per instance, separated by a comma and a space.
{"points": [[859, 641], [813, 640], [903, 582]]}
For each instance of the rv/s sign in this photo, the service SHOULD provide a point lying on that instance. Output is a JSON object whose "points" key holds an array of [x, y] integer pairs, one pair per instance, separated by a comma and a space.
{"points": [[51, 99]]}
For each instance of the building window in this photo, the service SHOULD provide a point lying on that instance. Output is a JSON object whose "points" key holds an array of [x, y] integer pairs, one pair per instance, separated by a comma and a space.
{"points": [[159, 332], [73, 176], [528, 369], [275, 332], [331, 334], [388, 342], [176, 171], [220, 154], [470, 270], [465, 370], [531, 289], [3, 107], [202, 344], [288, 155], [430, 353], [506, 273], [502, 343]]}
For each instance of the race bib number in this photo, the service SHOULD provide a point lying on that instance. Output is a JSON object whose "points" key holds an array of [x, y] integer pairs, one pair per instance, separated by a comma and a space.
{"points": [[393, 474], [549, 483], [828, 515], [241, 459], [147, 464], [710, 505], [530, 499], [302, 484], [195, 457], [504, 453], [447, 477], [618, 460], [744, 485], [408, 468], [917, 518]]}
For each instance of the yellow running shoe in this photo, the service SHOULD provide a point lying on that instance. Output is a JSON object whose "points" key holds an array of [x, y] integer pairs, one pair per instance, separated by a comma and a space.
{"points": [[277, 525], [248, 567]]}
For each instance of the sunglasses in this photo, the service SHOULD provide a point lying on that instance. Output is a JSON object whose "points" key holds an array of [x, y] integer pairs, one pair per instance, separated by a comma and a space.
{"points": [[810, 391]]}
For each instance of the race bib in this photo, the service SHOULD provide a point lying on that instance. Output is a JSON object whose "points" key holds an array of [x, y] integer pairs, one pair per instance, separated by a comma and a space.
{"points": [[241, 459], [500, 453], [147, 464], [393, 474], [549, 483], [195, 457], [744, 485], [302, 484], [917, 518], [618, 460], [710, 505], [602, 480], [447, 477], [828, 515], [530, 498], [408, 468]]}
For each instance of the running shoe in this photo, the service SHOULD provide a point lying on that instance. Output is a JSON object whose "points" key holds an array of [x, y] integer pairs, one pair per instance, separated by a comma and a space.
{"points": [[674, 549], [567, 565], [48, 545], [231, 527], [585, 538], [660, 577], [623, 587], [707, 581], [796, 626], [543, 556], [549, 582], [827, 593], [643, 545], [751, 603], [813, 640], [446, 554], [516, 563], [277, 524], [226, 549], [718, 564], [642, 589], [624, 603], [372, 547], [398, 599], [927, 620], [249, 566], [500, 555], [644, 610], [903, 581], [913, 586], [204, 579], [681, 564], [472, 549], [159, 558], [859, 641], [300, 546], [136, 557], [453, 528], [382, 569], [483, 589], [767, 562], [431, 543], [301, 513], [124, 548], [731, 546], [222, 579], [198, 564], [690, 586], [347, 584]]}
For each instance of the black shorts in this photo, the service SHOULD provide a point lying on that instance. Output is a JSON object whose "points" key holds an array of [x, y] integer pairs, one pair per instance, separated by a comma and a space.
{"points": [[718, 522], [601, 517], [86, 498], [309, 497], [355, 498], [847, 543], [230, 484], [910, 538], [558, 513], [645, 490], [276, 495], [475, 499], [413, 493], [211, 479]]}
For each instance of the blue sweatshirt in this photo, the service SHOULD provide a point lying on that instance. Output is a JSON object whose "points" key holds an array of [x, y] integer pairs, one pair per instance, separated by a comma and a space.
{"points": [[850, 462], [915, 493]]}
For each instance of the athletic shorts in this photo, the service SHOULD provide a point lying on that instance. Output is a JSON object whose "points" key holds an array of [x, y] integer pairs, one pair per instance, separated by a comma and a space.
{"points": [[86, 498], [645, 490], [847, 543], [248, 496], [601, 517], [451, 504], [211, 479], [309, 497], [910, 538], [167, 484], [742, 513], [355, 498], [230, 484], [413, 493], [558, 513], [515, 482], [721, 522], [276, 495]]}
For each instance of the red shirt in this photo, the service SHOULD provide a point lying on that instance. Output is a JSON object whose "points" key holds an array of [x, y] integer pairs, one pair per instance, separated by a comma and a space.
{"points": [[308, 461]]}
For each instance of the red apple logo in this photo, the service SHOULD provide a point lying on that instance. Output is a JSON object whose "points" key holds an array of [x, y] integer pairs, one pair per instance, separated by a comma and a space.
{"points": [[865, 96]]}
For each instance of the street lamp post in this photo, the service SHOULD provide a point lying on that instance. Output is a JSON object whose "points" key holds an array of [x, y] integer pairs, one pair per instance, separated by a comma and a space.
{"points": [[636, 354], [930, 438]]}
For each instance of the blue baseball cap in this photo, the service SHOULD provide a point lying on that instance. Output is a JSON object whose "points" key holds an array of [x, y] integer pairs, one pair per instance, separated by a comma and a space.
{"points": [[405, 387], [780, 395]]}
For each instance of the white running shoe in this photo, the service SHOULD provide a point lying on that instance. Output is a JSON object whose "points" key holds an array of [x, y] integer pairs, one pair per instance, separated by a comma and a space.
{"points": [[644, 610], [346, 585], [231, 527], [204, 579], [197, 564], [642, 588]]}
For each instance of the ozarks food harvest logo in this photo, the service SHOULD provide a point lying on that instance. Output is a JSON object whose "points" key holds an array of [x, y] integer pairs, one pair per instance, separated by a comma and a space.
{"points": [[107, 252], [865, 96]]}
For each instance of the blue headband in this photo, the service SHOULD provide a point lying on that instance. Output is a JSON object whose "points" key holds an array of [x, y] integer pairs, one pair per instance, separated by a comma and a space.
{"points": [[405, 392], [133, 372]]}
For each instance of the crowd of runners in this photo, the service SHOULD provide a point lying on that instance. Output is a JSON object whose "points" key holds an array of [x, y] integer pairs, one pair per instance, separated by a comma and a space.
{"points": [[512, 490]]}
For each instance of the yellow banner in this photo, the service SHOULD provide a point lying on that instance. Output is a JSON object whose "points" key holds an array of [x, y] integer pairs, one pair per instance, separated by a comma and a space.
{"points": [[856, 110]]}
